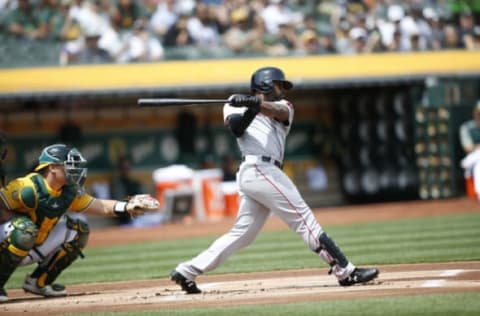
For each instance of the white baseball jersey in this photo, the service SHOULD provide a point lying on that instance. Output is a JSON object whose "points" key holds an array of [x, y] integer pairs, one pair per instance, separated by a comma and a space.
{"points": [[263, 188], [265, 136]]}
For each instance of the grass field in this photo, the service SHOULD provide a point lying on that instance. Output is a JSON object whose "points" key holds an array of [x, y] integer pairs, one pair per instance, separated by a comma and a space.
{"points": [[434, 239]]}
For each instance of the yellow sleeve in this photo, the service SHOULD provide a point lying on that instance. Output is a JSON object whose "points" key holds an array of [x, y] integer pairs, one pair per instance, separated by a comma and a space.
{"points": [[11, 195], [81, 203]]}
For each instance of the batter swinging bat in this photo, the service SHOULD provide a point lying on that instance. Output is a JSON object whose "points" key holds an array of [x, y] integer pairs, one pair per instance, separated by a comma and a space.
{"points": [[161, 102]]}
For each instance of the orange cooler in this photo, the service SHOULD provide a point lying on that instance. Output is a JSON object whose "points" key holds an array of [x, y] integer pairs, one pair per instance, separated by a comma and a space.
{"points": [[231, 198], [469, 188], [209, 194], [175, 177]]}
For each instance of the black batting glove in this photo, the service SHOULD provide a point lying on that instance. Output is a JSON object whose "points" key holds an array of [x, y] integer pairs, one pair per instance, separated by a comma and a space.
{"points": [[242, 100]]}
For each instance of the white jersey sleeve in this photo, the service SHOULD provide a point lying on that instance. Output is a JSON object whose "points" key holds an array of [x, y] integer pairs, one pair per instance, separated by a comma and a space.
{"points": [[290, 110], [229, 110]]}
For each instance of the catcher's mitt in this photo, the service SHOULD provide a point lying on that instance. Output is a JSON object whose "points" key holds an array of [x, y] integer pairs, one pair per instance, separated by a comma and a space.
{"points": [[137, 205]]}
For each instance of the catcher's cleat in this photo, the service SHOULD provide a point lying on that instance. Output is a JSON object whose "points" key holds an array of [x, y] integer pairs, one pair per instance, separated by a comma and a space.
{"points": [[190, 287], [360, 275], [50, 290], [3, 295]]}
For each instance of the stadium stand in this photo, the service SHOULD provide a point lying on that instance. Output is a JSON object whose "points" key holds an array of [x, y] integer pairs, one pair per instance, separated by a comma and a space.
{"points": [[190, 30]]}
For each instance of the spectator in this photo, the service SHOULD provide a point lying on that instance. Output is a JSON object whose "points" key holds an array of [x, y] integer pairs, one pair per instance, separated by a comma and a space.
{"points": [[283, 43], [343, 41], [288, 38], [77, 9], [372, 41], [124, 14], [390, 28], [416, 44], [310, 43], [358, 37], [150, 6], [415, 30], [185, 133], [309, 23], [277, 13], [260, 38], [220, 14], [239, 37], [114, 41], [185, 6], [63, 26], [450, 38], [92, 16], [47, 12], [327, 43], [434, 38], [70, 133], [178, 34], [85, 52], [476, 38], [123, 184], [203, 28], [229, 168], [22, 22], [163, 18], [142, 46], [5, 8], [466, 30], [394, 45]]}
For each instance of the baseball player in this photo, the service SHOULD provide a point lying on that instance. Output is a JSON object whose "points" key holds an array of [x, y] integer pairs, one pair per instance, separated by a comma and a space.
{"points": [[261, 123], [38, 229], [470, 140]]}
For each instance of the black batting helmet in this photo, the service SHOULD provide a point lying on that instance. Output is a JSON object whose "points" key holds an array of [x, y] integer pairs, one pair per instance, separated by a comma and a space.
{"points": [[263, 79]]}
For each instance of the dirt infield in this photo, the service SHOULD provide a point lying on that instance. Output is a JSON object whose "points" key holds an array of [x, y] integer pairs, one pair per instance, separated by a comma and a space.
{"points": [[266, 287]]}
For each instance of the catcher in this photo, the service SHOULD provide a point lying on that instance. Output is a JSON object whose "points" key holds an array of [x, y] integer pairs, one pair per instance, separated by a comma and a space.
{"points": [[35, 227]]}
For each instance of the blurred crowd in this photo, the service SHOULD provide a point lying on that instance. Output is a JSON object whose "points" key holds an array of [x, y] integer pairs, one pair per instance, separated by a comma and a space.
{"points": [[121, 31]]}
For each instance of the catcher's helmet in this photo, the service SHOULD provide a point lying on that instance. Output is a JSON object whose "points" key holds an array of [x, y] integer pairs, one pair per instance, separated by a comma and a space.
{"points": [[70, 158], [263, 79]]}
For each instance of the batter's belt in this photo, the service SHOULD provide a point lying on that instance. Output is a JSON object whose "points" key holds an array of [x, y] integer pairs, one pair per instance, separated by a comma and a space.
{"points": [[255, 159]]}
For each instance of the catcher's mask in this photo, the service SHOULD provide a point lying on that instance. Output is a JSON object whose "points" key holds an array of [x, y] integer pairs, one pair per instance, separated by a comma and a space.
{"points": [[71, 159], [263, 81]]}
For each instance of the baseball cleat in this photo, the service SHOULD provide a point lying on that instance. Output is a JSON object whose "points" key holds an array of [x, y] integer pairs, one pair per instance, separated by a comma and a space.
{"points": [[50, 290], [190, 287], [3, 295], [360, 275]]}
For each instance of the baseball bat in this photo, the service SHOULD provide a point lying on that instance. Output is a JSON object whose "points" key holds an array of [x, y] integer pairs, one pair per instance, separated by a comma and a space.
{"points": [[161, 102]]}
